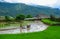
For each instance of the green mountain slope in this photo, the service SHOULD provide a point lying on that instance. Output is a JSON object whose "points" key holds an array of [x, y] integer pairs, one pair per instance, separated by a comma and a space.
{"points": [[13, 9]]}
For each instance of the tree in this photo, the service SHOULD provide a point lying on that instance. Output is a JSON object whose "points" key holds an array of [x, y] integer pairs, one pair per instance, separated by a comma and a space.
{"points": [[52, 17], [29, 16], [20, 18], [58, 19], [7, 20]]}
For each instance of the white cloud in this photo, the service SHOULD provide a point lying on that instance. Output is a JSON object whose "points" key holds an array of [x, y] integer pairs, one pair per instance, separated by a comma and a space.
{"points": [[50, 3], [57, 5]]}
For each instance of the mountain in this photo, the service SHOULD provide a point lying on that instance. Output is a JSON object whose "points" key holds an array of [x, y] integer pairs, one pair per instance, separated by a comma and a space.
{"points": [[13, 9]]}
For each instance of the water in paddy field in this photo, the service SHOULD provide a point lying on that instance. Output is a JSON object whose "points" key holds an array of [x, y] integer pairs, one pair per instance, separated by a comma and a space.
{"points": [[34, 27]]}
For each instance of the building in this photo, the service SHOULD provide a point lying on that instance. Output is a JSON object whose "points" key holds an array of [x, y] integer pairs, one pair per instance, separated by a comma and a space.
{"points": [[41, 16], [38, 17]]}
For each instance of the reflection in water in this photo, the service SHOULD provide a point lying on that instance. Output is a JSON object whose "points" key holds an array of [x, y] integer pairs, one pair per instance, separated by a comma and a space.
{"points": [[28, 27], [32, 27], [25, 27]]}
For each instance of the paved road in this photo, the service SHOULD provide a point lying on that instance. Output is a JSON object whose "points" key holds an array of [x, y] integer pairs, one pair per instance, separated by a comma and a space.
{"points": [[35, 27]]}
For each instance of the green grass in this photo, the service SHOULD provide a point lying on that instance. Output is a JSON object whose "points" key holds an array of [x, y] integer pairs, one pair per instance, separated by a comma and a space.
{"points": [[48, 21], [53, 32]]}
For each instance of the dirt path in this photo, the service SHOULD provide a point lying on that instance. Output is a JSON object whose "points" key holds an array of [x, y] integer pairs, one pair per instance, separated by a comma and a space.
{"points": [[35, 27]]}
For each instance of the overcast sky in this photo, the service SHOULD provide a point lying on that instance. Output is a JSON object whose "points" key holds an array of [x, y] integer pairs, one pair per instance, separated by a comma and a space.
{"points": [[50, 3]]}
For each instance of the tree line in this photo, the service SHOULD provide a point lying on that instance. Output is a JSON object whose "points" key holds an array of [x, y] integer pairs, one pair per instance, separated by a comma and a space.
{"points": [[17, 18], [54, 18]]}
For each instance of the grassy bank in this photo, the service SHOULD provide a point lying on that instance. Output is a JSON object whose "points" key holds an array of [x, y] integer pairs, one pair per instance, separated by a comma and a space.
{"points": [[49, 22], [53, 32]]}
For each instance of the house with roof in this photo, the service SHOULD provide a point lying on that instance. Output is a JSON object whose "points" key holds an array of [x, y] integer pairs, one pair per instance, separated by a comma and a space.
{"points": [[38, 17], [42, 16]]}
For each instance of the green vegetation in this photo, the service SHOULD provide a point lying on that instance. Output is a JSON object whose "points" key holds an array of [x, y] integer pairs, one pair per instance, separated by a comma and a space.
{"points": [[48, 21], [7, 18], [28, 16], [14, 9], [53, 32], [54, 18], [20, 17]]}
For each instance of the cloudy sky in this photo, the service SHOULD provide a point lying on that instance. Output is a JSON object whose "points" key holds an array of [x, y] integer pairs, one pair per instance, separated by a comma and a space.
{"points": [[50, 3]]}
